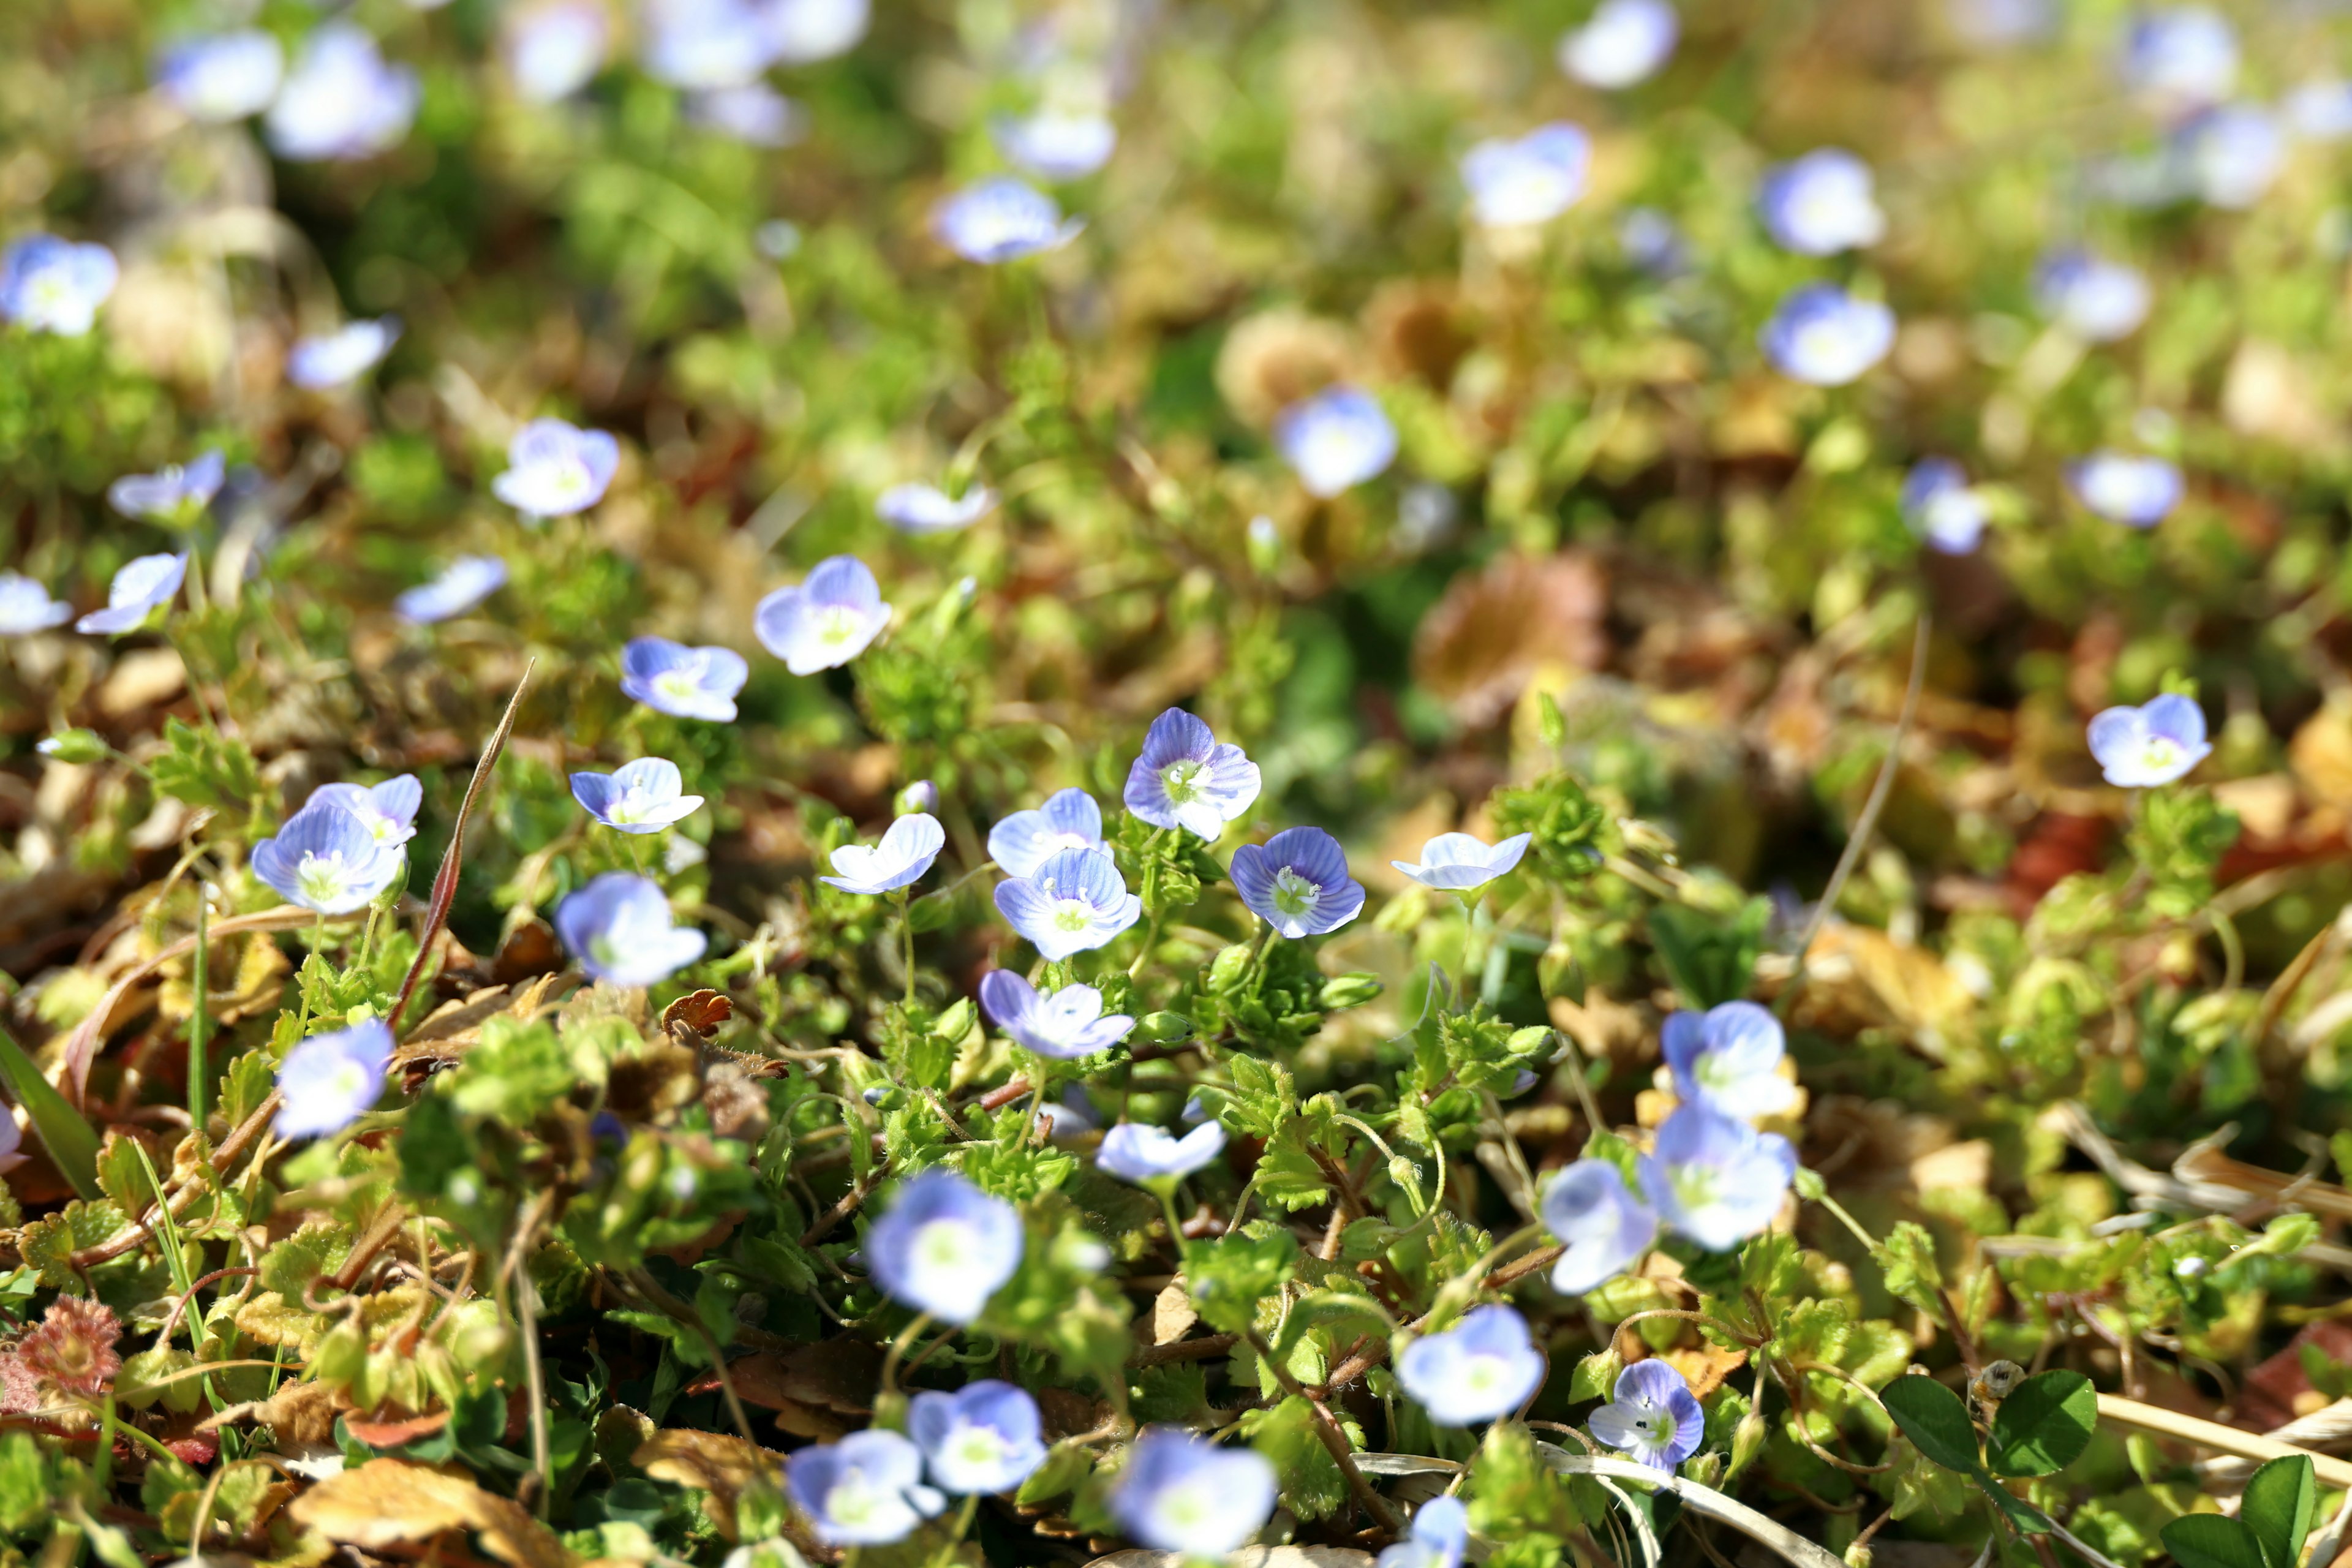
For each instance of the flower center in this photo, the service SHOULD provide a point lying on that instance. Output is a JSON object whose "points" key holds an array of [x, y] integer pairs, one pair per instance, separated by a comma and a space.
{"points": [[678, 685], [979, 1446], [1293, 895], [853, 1501], [1483, 1373], [2159, 752], [1696, 1186], [1071, 915], [322, 876], [942, 1244], [836, 625], [632, 805], [1181, 780]]}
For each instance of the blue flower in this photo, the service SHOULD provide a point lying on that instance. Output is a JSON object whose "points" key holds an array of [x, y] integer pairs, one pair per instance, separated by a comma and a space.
{"points": [[26, 607], [752, 113], [2140, 747], [827, 620], [387, 810], [1727, 1059], [984, 1438], [1622, 43], [2321, 111], [53, 285], [802, 32], [909, 847], [141, 588], [341, 99], [1001, 220], [1457, 862], [864, 1490], [1074, 902], [554, 469], [1186, 779], [681, 681], [927, 508], [1651, 1416], [2180, 57], [1529, 180], [327, 859], [222, 77], [2234, 155], [2093, 298], [1179, 1493], [1715, 1178], [1298, 883], [1149, 1156], [1941, 507], [344, 355], [1482, 1369], [329, 1081], [1821, 204], [1824, 336], [1064, 1025], [1336, 440], [707, 44], [920, 795], [463, 583], [1025, 840], [1998, 23], [642, 796], [1056, 144], [944, 1246], [618, 927], [173, 496], [1441, 1533], [1605, 1227], [2137, 492], [556, 48]]}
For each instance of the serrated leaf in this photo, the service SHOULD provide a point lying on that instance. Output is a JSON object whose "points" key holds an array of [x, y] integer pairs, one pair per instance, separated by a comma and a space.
{"points": [[1934, 1420], [47, 1244], [2044, 1425]]}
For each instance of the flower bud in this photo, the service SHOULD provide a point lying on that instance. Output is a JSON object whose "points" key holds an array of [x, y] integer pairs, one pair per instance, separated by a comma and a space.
{"points": [[920, 795], [1342, 991], [73, 746], [1226, 971], [1158, 1028]]}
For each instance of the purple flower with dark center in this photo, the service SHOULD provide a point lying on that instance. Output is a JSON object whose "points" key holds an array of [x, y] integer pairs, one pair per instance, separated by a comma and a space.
{"points": [[984, 1438], [1482, 1369], [1185, 779], [1025, 840], [387, 810], [2098, 300], [175, 496], [1941, 507], [1457, 862], [1728, 1059], [1336, 440], [2137, 492], [141, 588], [1531, 180], [825, 621], [53, 285], [619, 928], [2139, 748], [556, 48], [1058, 144], [1821, 204], [463, 583], [944, 1246], [1075, 902], [1622, 43], [1606, 1227], [1651, 1416], [1441, 1533], [341, 99], [26, 607], [1001, 220], [1064, 1025], [225, 77], [1715, 1178], [344, 355], [1825, 336], [865, 1491], [1180, 1494], [642, 796], [554, 469], [909, 847], [927, 508], [1298, 883], [329, 1081], [1152, 1157], [327, 859], [683, 682]]}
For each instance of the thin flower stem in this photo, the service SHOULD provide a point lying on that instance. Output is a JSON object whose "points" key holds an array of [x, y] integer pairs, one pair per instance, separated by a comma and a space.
{"points": [[199, 1015], [898, 1350]]}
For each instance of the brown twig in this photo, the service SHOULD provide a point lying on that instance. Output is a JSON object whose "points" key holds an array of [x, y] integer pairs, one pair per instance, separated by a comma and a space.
{"points": [[1335, 1441], [237, 1142], [1200, 1348], [845, 1207]]}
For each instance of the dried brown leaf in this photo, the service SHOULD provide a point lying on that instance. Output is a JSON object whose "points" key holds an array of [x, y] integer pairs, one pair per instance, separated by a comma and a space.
{"points": [[390, 1503]]}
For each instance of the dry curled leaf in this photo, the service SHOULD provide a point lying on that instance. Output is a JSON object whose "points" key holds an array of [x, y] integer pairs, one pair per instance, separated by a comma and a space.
{"points": [[709, 1462], [701, 1012], [1494, 631], [390, 1503]]}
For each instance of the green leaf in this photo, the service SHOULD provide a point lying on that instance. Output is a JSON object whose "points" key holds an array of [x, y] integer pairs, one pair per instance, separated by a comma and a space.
{"points": [[2023, 1517], [1710, 959], [1934, 1420], [2044, 1425], [2209, 1541], [2279, 1502], [72, 1146]]}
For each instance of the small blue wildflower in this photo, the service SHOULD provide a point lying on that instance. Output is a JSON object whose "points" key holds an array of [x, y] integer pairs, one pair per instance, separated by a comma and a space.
{"points": [[2179, 59], [920, 795], [778, 240], [1056, 144], [927, 508], [1064, 1025], [463, 583], [556, 48], [141, 588], [1071, 1116], [329, 1081], [1074, 902], [944, 1246], [865, 1491], [1999, 24], [827, 620], [1298, 883], [619, 928], [1457, 862], [642, 796], [1336, 440], [1186, 779], [1941, 507], [2321, 109], [327, 859], [1651, 1416], [907, 847], [1728, 1059], [983, 1438], [1482, 1369], [175, 496], [1623, 42], [1182, 1493], [681, 681], [2137, 492], [802, 32], [1605, 1227], [1715, 1178], [2138, 748], [2234, 155], [222, 77], [26, 607], [705, 44], [1441, 1533], [53, 285], [2101, 301], [554, 469], [1821, 204], [752, 113], [1152, 1157], [1531, 180], [1025, 840], [1001, 220], [387, 810], [342, 101], [1825, 336], [344, 355]]}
